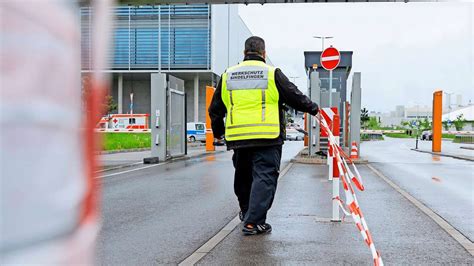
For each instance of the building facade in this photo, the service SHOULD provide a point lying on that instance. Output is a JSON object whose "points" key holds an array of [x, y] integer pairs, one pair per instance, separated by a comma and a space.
{"points": [[195, 43]]}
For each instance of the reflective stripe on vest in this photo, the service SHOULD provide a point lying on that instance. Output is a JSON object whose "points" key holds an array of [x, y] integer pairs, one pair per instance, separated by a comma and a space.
{"points": [[251, 97]]}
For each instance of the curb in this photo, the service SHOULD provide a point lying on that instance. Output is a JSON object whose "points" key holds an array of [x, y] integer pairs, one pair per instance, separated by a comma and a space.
{"points": [[466, 158], [122, 151], [135, 150], [175, 159]]}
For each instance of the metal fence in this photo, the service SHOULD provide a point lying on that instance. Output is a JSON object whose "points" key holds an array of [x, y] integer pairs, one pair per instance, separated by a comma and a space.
{"points": [[154, 37]]}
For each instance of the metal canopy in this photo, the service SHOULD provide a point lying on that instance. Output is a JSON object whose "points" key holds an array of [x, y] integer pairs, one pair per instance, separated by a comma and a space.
{"points": [[176, 2]]}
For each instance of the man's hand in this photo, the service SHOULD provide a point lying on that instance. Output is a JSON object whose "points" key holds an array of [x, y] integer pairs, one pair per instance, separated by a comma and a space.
{"points": [[219, 141]]}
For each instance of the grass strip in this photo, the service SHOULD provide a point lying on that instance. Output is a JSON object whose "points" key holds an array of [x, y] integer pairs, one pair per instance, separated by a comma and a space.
{"points": [[125, 141], [399, 135], [448, 136]]}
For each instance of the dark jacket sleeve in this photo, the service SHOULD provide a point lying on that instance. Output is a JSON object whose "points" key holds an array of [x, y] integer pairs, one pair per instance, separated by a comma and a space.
{"points": [[217, 111], [290, 95]]}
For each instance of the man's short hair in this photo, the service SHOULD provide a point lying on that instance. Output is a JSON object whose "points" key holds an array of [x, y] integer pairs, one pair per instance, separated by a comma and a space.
{"points": [[254, 45]]}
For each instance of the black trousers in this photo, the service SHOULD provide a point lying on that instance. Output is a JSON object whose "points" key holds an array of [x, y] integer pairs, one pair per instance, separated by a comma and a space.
{"points": [[255, 180]]}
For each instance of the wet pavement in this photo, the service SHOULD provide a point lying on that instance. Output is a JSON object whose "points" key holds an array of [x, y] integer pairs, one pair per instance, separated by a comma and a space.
{"points": [[303, 234], [445, 185], [450, 149], [162, 213]]}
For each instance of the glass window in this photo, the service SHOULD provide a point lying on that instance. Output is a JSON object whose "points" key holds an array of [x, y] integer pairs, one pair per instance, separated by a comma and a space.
{"points": [[200, 127]]}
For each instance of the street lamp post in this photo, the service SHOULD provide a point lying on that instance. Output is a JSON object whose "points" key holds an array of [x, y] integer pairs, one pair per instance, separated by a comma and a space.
{"points": [[417, 125], [294, 78], [448, 100], [322, 40]]}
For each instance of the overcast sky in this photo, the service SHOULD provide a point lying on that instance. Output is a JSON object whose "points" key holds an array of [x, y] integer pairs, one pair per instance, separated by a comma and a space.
{"points": [[404, 51]]}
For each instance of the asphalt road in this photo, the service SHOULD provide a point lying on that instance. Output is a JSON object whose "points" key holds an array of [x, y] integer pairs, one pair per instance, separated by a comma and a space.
{"points": [[161, 214], [445, 185]]}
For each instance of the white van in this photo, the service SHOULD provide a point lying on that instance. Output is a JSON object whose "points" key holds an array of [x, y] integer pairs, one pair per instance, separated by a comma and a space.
{"points": [[196, 131]]}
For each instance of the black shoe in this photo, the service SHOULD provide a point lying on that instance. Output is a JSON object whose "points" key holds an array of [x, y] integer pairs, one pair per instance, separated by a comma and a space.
{"points": [[252, 229], [241, 216]]}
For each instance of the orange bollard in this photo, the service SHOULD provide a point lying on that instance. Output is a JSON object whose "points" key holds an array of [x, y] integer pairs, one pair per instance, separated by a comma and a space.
{"points": [[437, 117], [209, 136]]}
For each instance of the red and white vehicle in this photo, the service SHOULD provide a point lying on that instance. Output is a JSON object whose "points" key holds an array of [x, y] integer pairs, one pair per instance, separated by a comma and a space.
{"points": [[124, 122]]}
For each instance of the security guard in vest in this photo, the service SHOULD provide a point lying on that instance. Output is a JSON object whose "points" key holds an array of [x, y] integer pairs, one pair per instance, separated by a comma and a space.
{"points": [[251, 96]]}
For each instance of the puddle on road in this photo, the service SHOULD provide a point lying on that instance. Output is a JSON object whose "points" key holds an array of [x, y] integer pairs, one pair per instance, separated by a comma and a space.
{"points": [[436, 158], [210, 158], [436, 179]]}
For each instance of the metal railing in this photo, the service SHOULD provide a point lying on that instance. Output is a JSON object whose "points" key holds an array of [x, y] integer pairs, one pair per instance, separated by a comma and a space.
{"points": [[154, 37]]}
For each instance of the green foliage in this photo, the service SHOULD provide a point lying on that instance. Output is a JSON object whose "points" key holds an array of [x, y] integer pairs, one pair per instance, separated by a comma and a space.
{"points": [[373, 123], [418, 126], [364, 116], [407, 124], [445, 125], [125, 141], [367, 137], [425, 124], [459, 122], [448, 136], [464, 139], [109, 104]]}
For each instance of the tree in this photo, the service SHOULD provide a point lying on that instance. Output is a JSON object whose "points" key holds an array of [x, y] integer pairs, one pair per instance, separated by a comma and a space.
{"points": [[364, 116], [109, 105], [425, 124], [459, 122], [445, 125]]}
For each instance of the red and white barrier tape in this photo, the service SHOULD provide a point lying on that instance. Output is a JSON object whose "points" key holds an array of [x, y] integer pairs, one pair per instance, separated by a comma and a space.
{"points": [[351, 200]]}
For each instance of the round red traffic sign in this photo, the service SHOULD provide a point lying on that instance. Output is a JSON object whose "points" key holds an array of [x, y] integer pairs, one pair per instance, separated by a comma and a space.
{"points": [[330, 58]]}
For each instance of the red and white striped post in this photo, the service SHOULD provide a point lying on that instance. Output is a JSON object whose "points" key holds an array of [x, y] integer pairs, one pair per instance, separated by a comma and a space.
{"points": [[328, 115], [350, 206], [335, 172]]}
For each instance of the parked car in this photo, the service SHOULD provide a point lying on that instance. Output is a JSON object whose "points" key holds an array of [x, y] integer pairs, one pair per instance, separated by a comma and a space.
{"points": [[293, 134], [426, 135], [196, 131]]}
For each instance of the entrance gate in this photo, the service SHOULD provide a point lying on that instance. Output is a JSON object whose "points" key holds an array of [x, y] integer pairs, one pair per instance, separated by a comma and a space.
{"points": [[168, 121]]}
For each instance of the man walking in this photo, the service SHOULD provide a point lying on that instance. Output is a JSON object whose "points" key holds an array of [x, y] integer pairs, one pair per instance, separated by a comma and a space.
{"points": [[251, 96]]}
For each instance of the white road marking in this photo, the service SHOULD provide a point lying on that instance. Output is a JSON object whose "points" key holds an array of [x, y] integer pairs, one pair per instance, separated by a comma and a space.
{"points": [[453, 232], [216, 239], [118, 167], [132, 170]]}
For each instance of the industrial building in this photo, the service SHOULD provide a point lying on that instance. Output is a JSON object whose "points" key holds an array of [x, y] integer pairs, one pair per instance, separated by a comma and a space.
{"points": [[194, 43]]}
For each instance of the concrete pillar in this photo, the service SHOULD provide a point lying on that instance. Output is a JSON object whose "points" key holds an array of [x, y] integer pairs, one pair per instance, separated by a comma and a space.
{"points": [[313, 125], [355, 110], [196, 98], [120, 94]]}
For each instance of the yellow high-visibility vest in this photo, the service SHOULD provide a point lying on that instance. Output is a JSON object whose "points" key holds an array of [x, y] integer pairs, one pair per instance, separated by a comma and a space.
{"points": [[251, 97]]}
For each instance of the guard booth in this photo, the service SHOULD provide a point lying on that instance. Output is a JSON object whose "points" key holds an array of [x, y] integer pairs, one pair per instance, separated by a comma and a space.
{"points": [[319, 92], [168, 118]]}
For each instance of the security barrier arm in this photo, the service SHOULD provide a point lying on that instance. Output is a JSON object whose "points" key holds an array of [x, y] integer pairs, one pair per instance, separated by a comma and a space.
{"points": [[351, 204]]}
